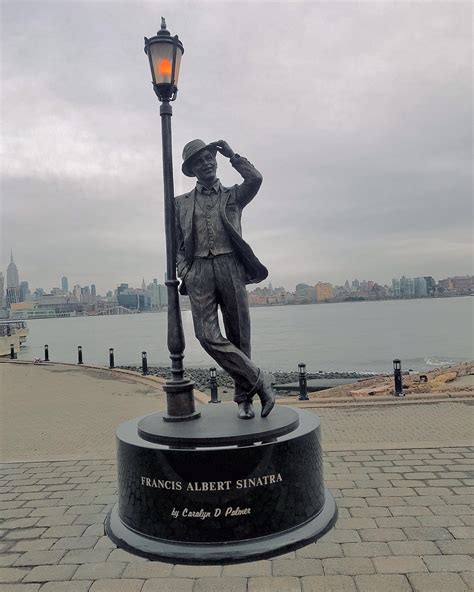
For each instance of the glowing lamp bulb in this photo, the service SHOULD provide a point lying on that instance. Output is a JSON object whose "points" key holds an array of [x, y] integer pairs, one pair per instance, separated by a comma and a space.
{"points": [[164, 67]]}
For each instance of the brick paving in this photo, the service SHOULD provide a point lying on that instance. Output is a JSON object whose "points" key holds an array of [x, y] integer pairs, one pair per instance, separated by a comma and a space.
{"points": [[390, 535], [405, 511]]}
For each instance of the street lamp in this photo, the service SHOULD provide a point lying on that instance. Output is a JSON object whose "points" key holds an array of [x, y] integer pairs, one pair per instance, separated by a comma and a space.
{"points": [[164, 54]]}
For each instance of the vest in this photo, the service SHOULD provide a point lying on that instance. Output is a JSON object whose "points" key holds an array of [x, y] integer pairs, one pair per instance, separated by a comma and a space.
{"points": [[210, 236]]}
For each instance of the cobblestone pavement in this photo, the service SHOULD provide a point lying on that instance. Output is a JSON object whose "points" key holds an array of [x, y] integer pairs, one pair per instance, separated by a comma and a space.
{"points": [[62, 412], [405, 425], [401, 474], [405, 524]]}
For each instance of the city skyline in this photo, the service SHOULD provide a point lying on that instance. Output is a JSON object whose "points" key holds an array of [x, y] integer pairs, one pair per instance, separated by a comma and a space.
{"points": [[366, 162], [66, 284]]}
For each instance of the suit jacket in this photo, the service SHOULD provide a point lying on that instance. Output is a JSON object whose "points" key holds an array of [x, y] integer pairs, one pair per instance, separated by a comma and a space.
{"points": [[233, 200]]}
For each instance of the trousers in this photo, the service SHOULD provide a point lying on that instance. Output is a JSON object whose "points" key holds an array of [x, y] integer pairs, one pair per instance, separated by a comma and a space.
{"points": [[220, 282]]}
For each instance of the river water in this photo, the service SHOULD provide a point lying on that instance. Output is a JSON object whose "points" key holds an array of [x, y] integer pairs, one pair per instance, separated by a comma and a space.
{"points": [[343, 337]]}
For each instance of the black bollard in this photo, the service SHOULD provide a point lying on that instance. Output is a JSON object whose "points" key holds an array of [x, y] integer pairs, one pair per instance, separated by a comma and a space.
{"points": [[144, 364], [111, 358], [12, 351], [397, 378], [303, 382], [46, 353], [213, 385], [79, 354]]}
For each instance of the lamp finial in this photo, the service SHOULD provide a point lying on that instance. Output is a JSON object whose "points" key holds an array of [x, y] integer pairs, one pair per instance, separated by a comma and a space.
{"points": [[163, 22]]}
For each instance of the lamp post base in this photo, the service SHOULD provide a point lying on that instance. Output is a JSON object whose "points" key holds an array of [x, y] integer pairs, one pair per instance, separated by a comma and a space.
{"points": [[180, 401]]}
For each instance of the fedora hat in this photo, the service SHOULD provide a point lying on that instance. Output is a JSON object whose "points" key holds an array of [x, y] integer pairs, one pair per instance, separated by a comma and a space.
{"points": [[190, 151]]}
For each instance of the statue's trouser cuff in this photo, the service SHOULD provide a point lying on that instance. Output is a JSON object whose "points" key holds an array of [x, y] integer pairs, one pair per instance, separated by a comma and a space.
{"points": [[241, 397]]}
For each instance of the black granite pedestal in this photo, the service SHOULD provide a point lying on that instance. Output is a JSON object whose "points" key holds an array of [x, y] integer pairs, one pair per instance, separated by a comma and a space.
{"points": [[219, 489]]}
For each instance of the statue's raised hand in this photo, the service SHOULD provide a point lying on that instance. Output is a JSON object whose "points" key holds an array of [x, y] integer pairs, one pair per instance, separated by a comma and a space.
{"points": [[223, 147]]}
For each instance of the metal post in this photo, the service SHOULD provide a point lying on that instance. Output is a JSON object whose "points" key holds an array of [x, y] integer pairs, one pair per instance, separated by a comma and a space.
{"points": [[111, 358], [397, 378], [79, 354], [12, 351], [303, 396], [46, 353], [144, 364], [179, 390], [213, 385]]}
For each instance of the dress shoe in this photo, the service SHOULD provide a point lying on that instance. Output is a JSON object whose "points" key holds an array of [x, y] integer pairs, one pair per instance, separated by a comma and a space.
{"points": [[246, 410], [267, 397]]}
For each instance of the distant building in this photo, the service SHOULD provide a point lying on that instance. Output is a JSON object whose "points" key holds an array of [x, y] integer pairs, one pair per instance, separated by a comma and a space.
{"points": [[13, 279], [463, 283], [459, 284], [158, 294], [430, 285], [25, 293], [86, 297], [300, 293], [324, 292], [420, 287], [311, 295], [65, 285], [62, 304], [407, 287], [13, 295], [133, 299], [396, 288], [2, 290]]}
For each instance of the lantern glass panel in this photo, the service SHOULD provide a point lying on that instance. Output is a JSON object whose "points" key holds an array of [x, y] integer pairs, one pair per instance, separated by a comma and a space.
{"points": [[162, 60], [177, 66]]}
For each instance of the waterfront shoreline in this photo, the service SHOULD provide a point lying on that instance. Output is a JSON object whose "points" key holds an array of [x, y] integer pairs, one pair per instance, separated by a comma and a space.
{"points": [[200, 376]]}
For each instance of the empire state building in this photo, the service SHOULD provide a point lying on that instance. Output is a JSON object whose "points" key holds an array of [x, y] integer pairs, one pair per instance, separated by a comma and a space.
{"points": [[13, 283]]}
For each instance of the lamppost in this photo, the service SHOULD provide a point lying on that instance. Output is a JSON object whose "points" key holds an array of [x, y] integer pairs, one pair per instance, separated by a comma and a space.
{"points": [[164, 54]]}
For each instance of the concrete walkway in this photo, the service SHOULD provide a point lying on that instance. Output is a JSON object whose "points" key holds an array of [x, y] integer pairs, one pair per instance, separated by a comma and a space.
{"points": [[405, 508]]}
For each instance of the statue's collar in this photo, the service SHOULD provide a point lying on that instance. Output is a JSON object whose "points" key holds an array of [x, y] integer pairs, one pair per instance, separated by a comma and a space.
{"points": [[215, 187]]}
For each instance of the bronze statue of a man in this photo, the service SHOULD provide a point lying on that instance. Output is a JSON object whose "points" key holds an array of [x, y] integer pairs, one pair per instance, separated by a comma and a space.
{"points": [[214, 264]]}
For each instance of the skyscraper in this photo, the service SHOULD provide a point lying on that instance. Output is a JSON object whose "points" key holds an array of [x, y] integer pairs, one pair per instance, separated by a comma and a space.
{"points": [[13, 283], [65, 284], [24, 291], [2, 289], [13, 279]]}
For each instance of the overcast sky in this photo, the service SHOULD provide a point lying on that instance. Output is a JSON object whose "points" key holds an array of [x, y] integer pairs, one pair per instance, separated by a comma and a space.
{"points": [[358, 115]]}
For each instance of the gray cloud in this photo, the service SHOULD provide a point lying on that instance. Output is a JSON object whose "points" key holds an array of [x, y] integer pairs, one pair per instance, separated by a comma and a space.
{"points": [[358, 114]]}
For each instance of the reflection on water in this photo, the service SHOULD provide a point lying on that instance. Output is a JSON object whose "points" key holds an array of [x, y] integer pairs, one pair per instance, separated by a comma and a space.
{"points": [[352, 336]]}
